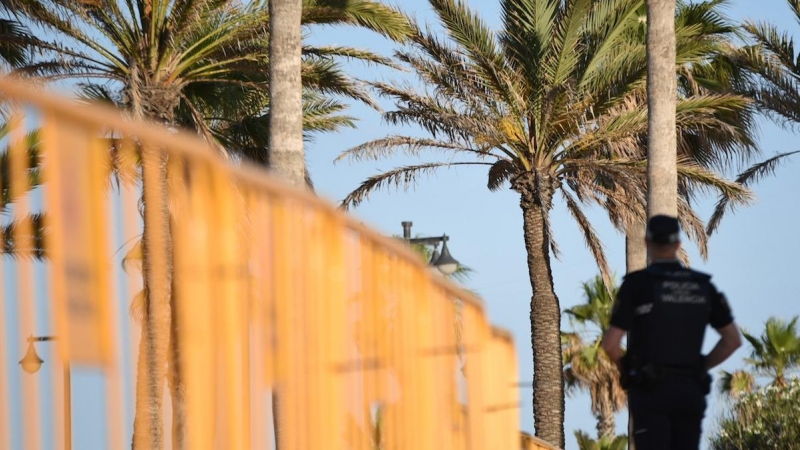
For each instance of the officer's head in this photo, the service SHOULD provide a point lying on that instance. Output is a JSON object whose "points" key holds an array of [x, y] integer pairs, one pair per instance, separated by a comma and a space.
{"points": [[663, 237]]}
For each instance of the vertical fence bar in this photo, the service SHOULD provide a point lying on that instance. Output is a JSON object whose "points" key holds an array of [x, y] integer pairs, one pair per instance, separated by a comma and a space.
{"points": [[243, 237], [115, 386], [428, 423], [285, 382], [131, 243], [195, 307], [53, 242], [23, 242], [263, 288], [443, 318], [5, 404], [258, 294], [230, 304], [365, 307], [476, 335]]}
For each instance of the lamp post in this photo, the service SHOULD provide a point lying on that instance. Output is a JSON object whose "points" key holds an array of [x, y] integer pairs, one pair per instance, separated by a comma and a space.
{"points": [[444, 261], [31, 363]]}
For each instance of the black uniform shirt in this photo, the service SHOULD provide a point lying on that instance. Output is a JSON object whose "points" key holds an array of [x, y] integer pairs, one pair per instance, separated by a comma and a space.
{"points": [[665, 309]]}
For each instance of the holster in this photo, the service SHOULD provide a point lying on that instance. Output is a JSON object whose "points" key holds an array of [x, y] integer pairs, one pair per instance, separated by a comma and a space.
{"points": [[637, 375]]}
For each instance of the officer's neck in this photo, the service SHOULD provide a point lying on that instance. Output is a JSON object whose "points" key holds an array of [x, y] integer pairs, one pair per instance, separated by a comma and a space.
{"points": [[665, 261]]}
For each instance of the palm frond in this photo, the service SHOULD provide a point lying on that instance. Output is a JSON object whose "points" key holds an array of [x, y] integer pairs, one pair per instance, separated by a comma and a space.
{"points": [[13, 185], [375, 16], [404, 177], [476, 40], [25, 237], [352, 53], [590, 236], [734, 384], [501, 172], [752, 175], [14, 43], [410, 146], [327, 77]]}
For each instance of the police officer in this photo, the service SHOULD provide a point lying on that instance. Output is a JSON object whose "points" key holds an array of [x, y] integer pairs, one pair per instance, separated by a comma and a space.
{"points": [[665, 309]]}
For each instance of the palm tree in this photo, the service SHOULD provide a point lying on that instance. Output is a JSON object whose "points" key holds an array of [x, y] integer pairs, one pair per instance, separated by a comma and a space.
{"points": [[551, 104], [604, 443], [586, 366], [286, 91], [777, 351], [735, 384], [183, 63]]}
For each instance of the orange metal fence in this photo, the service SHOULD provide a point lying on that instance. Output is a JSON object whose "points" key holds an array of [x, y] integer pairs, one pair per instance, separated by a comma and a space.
{"points": [[266, 315]]}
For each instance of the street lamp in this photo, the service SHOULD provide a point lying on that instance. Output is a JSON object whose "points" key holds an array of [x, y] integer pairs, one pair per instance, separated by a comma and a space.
{"points": [[31, 363], [444, 261]]}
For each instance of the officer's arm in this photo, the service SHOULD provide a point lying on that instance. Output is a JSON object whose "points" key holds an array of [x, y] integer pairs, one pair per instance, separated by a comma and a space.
{"points": [[621, 321], [728, 342], [722, 321], [612, 344]]}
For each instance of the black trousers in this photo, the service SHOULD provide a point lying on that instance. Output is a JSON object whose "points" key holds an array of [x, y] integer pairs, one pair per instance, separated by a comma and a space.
{"points": [[668, 415]]}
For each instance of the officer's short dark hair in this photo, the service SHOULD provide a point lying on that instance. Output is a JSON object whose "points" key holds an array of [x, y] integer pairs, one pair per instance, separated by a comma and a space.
{"points": [[663, 229]]}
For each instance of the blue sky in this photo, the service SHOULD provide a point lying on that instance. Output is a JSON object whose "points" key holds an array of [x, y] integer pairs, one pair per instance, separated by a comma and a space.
{"points": [[752, 257]]}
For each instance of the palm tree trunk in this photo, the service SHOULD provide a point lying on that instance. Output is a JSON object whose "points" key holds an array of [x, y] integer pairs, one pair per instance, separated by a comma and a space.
{"points": [[606, 424], [536, 195], [148, 430], [635, 250], [286, 155], [662, 175]]}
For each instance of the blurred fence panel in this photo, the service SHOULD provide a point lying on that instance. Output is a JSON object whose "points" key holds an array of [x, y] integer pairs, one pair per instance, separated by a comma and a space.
{"points": [[216, 308]]}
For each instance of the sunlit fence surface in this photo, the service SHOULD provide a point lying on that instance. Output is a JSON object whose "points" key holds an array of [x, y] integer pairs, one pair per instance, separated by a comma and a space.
{"points": [[185, 300]]}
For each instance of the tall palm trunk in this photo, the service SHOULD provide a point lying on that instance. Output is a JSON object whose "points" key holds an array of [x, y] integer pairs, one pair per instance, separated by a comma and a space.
{"points": [[536, 196], [662, 175], [148, 430], [285, 90], [635, 250]]}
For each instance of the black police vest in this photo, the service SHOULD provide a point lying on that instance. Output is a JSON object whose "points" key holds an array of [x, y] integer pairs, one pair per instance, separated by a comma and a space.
{"points": [[671, 317]]}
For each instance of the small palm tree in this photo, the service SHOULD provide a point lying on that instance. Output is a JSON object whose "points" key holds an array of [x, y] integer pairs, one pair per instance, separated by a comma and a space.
{"points": [[735, 384], [605, 443], [586, 366], [777, 351], [429, 254], [552, 104]]}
